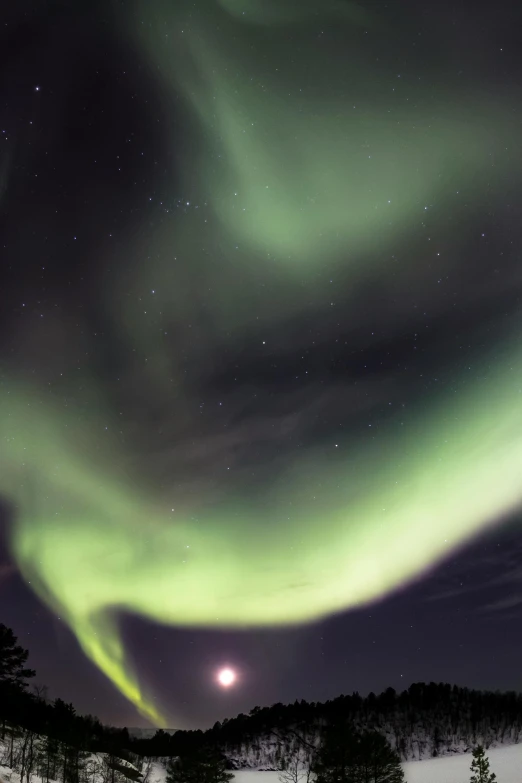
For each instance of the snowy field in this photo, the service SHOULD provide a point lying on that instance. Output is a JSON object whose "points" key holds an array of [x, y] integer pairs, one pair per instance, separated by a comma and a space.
{"points": [[505, 762]]}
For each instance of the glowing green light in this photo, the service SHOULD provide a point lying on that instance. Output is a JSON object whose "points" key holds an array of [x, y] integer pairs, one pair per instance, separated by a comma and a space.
{"points": [[449, 474], [302, 193]]}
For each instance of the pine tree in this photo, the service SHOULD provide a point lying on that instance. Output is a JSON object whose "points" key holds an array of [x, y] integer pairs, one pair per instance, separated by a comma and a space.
{"points": [[378, 762], [13, 673], [205, 767], [336, 757], [348, 757], [480, 767], [12, 659]]}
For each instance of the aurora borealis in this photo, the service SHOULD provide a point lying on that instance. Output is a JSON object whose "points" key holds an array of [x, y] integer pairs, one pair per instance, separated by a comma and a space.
{"points": [[261, 341]]}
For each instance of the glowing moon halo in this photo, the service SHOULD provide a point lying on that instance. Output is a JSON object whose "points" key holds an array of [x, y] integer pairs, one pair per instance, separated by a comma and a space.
{"points": [[226, 677]]}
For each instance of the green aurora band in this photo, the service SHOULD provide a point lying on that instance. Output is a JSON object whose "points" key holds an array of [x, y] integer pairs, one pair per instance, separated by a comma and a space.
{"points": [[89, 553], [94, 543]]}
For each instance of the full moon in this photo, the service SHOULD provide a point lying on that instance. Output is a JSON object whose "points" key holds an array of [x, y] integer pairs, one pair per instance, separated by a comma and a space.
{"points": [[226, 677]]}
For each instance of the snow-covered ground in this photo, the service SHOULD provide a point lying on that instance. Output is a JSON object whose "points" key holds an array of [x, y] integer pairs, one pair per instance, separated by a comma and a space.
{"points": [[505, 762]]}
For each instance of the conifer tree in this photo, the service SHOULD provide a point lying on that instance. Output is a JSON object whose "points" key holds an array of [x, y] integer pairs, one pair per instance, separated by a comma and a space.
{"points": [[346, 756], [13, 658], [480, 767], [205, 767], [378, 762], [336, 757], [13, 674]]}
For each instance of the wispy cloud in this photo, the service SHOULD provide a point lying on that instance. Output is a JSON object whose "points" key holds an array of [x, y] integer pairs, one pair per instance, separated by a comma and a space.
{"points": [[506, 602], [491, 576]]}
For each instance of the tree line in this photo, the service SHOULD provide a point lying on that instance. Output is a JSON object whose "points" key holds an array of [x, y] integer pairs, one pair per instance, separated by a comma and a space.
{"points": [[343, 756], [424, 721]]}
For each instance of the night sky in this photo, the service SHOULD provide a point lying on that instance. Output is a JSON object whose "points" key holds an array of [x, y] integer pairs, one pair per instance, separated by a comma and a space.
{"points": [[261, 349]]}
